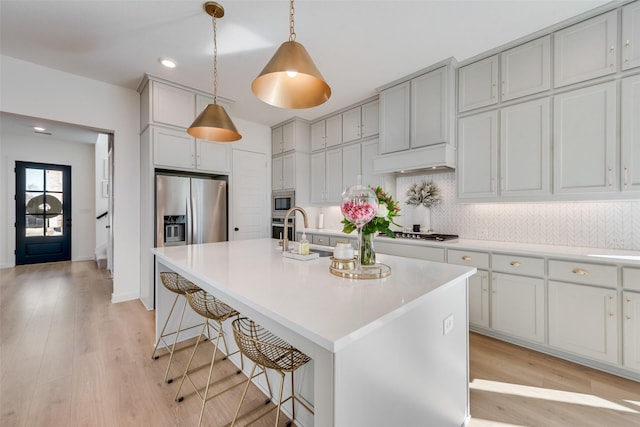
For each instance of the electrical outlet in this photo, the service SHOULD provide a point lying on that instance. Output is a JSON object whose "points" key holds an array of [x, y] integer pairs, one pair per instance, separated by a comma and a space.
{"points": [[482, 233], [447, 324]]}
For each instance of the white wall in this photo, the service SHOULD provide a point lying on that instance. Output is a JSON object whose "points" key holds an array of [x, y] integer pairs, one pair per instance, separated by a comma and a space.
{"points": [[32, 90], [102, 203], [43, 149]]}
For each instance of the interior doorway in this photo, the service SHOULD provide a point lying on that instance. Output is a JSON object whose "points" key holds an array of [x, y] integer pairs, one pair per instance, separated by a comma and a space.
{"points": [[43, 212]]}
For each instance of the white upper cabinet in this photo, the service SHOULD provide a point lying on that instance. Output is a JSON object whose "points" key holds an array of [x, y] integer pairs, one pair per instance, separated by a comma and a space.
{"points": [[525, 144], [394, 118], [284, 138], [351, 166], [172, 105], [370, 149], [326, 176], [370, 119], [430, 108], [360, 122], [326, 133], [173, 148], [584, 135], [630, 134], [631, 36], [586, 50], [478, 84], [477, 155], [213, 156], [526, 69]]}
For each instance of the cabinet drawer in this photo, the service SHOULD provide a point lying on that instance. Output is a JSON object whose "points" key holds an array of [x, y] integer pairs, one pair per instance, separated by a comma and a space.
{"points": [[410, 251], [320, 239], [580, 272], [631, 279], [517, 264], [470, 258]]}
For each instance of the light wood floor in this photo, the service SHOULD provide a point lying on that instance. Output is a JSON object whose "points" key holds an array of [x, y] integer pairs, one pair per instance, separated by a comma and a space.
{"points": [[68, 357]]}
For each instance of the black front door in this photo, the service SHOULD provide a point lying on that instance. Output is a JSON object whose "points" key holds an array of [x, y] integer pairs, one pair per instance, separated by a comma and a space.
{"points": [[43, 213]]}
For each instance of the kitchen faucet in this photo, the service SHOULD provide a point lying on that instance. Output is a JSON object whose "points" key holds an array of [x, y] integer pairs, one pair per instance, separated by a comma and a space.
{"points": [[285, 237]]}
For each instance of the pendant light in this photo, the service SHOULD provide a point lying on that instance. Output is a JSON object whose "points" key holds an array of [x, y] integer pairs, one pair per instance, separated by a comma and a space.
{"points": [[291, 79], [214, 124]]}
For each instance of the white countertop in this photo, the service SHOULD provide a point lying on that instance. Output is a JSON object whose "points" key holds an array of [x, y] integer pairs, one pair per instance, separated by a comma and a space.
{"points": [[618, 256], [303, 295]]}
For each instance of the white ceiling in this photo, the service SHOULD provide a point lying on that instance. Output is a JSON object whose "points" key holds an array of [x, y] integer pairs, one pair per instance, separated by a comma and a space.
{"points": [[357, 45]]}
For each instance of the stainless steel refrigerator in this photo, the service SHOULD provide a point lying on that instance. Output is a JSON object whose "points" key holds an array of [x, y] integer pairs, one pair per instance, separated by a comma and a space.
{"points": [[190, 210]]}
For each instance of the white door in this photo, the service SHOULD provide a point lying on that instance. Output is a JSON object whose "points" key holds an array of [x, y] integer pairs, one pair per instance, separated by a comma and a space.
{"points": [[333, 176], [631, 330], [351, 166], [394, 118], [370, 150], [517, 306], [351, 126], [477, 84], [477, 155], [370, 119], [318, 169], [429, 108], [583, 320], [631, 36], [479, 299], [289, 171], [277, 173], [333, 130], [630, 133], [250, 216], [526, 69]]}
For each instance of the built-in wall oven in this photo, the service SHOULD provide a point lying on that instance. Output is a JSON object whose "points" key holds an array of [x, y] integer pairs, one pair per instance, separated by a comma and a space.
{"points": [[277, 228]]}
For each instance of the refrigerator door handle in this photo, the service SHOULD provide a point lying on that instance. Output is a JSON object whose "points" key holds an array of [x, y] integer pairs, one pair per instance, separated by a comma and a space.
{"points": [[195, 237], [189, 233]]}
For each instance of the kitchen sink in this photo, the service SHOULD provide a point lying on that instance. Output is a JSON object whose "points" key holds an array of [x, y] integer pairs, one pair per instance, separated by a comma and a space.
{"points": [[322, 253]]}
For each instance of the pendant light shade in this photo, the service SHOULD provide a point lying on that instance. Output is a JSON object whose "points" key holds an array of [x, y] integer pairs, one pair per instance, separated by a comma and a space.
{"points": [[214, 124], [291, 79]]}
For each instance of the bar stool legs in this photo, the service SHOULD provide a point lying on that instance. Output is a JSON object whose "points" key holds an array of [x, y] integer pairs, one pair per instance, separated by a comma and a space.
{"points": [[268, 351], [215, 313], [178, 285]]}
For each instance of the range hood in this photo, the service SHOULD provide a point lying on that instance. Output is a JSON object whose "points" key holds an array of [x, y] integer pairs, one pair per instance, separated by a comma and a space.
{"points": [[434, 158]]}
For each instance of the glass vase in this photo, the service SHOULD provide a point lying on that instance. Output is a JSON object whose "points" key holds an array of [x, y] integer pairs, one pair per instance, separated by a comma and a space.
{"points": [[367, 254]]}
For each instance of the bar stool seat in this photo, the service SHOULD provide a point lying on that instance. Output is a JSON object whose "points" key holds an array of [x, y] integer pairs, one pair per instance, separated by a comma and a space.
{"points": [[177, 284], [268, 351], [215, 312]]}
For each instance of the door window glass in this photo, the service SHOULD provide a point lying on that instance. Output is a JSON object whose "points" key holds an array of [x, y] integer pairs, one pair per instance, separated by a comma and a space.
{"points": [[43, 202]]}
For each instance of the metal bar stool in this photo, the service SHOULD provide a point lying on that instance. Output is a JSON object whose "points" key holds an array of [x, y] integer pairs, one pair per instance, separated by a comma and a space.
{"points": [[215, 313], [268, 351], [179, 286]]}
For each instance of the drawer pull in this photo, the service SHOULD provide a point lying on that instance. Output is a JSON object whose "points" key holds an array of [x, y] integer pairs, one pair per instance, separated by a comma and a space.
{"points": [[516, 263], [466, 258], [580, 271]]}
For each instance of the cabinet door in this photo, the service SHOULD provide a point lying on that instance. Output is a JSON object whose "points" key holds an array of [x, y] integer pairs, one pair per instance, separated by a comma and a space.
{"points": [[526, 69], [630, 133], [517, 306], [288, 137], [172, 105], [333, 131], [583, 320], [351, 125], [318, 171], [631, 36], [276, 140], [479, 299], [173, 148], [394, 118], [370, 119], [631, 330], [277, 177], [429, 108], [477, 155], [213, 156], [525, 144], [318, 135], [586, 50], [370, 149], [477, 84], [333, 176], [584, 135], [351, 166], [289, 171]]}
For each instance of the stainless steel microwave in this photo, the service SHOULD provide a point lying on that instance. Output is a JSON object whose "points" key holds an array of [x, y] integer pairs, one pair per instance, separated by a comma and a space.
{"points": [[281, 202]]}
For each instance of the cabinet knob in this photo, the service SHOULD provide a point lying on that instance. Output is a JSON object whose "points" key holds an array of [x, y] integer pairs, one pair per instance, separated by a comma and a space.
{"points": [[516, 263], [580, 271], [627, 43], [628, 317], [612, 48], [466, 258]]}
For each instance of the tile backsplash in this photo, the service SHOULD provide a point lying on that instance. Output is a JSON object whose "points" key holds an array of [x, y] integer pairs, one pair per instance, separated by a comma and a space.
{"points": [[598, 224]]}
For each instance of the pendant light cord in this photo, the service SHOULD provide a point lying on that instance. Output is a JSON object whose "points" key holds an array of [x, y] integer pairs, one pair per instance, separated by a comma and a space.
{"points": [[292, 32], [215, 59]]}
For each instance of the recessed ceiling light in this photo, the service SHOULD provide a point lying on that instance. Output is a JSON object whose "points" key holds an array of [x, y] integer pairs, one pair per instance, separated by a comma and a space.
{"points": [[168, 62], [38, 129]]}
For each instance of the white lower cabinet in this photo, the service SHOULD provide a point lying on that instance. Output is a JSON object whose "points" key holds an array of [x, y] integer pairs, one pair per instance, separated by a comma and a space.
{"points": [[478, 291], [631, 330], [583, 320], [517, 306]]}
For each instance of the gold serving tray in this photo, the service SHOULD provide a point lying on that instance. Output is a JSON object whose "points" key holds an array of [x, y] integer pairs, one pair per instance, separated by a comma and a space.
{"points": [[346, 269]]}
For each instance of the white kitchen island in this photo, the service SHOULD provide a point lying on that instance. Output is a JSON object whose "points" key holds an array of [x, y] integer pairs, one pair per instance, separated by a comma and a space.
{"points": [[386, 352]]}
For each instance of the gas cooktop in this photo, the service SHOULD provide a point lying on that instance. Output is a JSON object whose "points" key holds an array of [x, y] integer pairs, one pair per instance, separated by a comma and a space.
{"points": [[424, 236]]}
